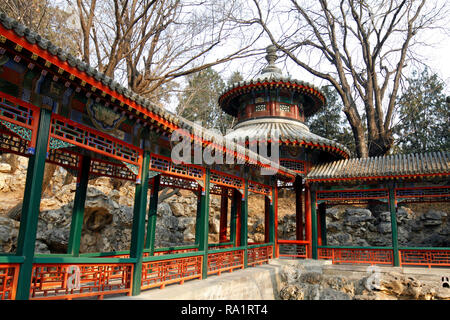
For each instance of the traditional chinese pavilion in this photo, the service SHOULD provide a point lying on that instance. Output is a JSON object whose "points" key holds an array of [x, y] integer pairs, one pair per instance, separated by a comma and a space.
{"points": [[272, 104], [57, 109]]}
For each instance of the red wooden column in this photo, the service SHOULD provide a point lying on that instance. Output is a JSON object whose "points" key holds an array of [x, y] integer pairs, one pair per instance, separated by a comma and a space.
{"points": [[275, 201], [319, 227], [238, 199], [266, 218], [223, 215], [299, 209], [308, 225]]}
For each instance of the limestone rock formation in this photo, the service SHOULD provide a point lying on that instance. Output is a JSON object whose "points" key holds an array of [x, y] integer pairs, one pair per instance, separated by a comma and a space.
{"points": [[298, 283], [348, 226], [109, 212]]}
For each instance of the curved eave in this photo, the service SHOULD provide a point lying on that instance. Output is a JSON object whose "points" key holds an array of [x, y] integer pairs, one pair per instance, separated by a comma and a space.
{"points": [[421, 166], [410, 177], [314, 94], [290, 134]]}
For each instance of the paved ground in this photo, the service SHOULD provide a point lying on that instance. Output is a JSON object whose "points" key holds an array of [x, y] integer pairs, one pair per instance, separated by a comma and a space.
{"points": [[263, 282], [255, 283]]}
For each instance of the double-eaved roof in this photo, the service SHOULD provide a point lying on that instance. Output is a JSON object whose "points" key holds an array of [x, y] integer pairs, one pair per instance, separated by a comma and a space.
{"points": [[403, 166]]}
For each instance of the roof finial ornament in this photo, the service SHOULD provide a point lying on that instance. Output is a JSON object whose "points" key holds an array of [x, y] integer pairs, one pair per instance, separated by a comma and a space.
{"points": [[271, 57]]}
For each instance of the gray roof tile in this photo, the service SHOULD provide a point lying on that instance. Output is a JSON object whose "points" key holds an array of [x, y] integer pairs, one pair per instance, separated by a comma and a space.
{"points": [[386, 166]]}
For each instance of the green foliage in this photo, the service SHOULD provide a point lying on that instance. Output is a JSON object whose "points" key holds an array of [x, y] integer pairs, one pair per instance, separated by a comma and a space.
{"points": [[330, 122], [424, 115], [199, 100]]}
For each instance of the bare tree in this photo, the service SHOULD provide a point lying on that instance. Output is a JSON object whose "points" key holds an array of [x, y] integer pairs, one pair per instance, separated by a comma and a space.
{"points": [[154, 42], [45, 18], [361, 47]]}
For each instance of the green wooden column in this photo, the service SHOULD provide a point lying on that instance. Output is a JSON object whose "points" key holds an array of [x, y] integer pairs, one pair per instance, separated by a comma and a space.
{"points": [[152, 214], [76, 225], [314, 245], [233, 216], [323, 222], [203, 225], [244, 221], [223, 215], [138, 228], [30, 207], [298, 188], [393, 211], [198, 216], [271, 225]]}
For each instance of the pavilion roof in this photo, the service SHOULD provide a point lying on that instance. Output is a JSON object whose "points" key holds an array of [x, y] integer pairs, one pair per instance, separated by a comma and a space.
{"points": [[272, 77], [414, 165], [291, 132]]}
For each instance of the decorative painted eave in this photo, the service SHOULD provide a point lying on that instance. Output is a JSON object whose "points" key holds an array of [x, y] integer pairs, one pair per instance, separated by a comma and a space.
{"points": [[273, 81], [291, 132], [81, 74], [399, 166]]}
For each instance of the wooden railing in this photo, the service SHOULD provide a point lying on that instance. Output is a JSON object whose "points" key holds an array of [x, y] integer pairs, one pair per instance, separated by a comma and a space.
{"points": [[259, 254], [77, 279], [357, 255], [227, 259], [174, 268], [293, 248], [425, 257], [9, 274]]}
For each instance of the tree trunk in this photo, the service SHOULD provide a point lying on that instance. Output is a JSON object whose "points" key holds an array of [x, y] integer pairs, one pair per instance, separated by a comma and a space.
{"points": [[68, 178], [165, 194], [12, 160]]}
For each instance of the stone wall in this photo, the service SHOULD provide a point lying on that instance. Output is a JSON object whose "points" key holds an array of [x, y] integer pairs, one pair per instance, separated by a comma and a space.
{"points": [[351, 226], [319, 280]]}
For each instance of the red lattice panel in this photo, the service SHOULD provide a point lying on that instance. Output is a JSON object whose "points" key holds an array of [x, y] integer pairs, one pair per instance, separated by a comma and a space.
{"points": [[346, 195], [178, 183], [20, 113], [325, 253], [110, 169], [63, 158], [11, 143], [226, 180], [257, 187], [292, 249], [225, 261], [99, 167], [359, 256], [52, 281], [220, 190], [220, 246], [161, 273], [174, 251], [9, 274], [416, 257], [295, 165], [284, 184], [90, 139], [165, 165], [259, 255], [423, 193]]}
